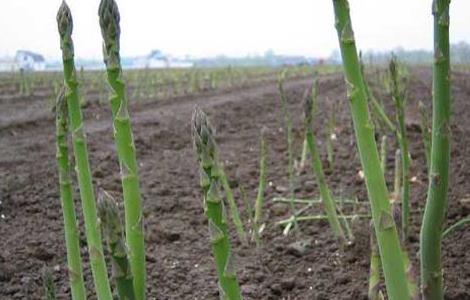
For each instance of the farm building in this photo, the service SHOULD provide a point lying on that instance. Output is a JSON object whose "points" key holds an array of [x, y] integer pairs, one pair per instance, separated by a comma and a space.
{"points": [[157, 60], [30, 61]]}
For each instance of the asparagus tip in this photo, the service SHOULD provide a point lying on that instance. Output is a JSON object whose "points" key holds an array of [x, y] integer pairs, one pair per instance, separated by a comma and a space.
{"points": [[64, 20]]}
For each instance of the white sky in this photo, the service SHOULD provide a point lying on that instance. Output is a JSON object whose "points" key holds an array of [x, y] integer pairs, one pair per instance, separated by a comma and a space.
{"points": [[232, 27]]}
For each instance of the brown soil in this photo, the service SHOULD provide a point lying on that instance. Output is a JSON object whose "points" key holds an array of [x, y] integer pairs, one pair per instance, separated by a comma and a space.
{"points": [[179, 263]]}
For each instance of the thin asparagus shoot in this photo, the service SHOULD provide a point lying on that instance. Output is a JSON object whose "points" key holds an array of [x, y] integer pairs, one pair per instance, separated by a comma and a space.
{"points": [[251, 216], [87, 194], [457, 225], [290, 155], [111, 225], [385, 229], [110, 30], [396, 196], [327, 199], [50, 292], [206, 152], [383, 153], [262, 180], [72, 242], [425, 133], [235, 214], [377, 108], [398, 95], [374, 292]]}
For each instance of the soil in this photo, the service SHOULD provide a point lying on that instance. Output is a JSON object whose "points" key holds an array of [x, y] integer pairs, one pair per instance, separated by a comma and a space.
{"points": [[179, 261]]}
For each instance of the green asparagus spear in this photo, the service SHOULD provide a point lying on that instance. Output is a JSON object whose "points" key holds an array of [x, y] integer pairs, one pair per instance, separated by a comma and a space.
{"points": [[399, 99], [205, 147], [95, 247], [72, 243], [385, 229], [124, 140], [434, 214], [111, 225], [327, 199]]}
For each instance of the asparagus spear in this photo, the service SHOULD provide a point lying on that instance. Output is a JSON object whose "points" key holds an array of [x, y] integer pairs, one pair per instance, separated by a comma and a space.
{"points": [[110, 30], [374, 274], [425, 133], [49, 286], [95, 247], [290, 157], [399, 98], [112, 227], [436, 203], [262, 181], [385, 229], [205, 147], [326, 197], [72, 243]]}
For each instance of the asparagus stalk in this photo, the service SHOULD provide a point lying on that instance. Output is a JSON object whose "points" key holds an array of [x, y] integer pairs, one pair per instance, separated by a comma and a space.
{"points": [[331, 137], [385, 229], [374, 274], [436, 203], [72, 243], [327, 199], [262, 180], [111, 225], [396, 197], [457, 225], [251, 216], [235, 214], [399, 99], [377, 108], [87, 194], [383, 153], [425, 133], [205, 147], [124, 140], [49, 286], [290, 157]]}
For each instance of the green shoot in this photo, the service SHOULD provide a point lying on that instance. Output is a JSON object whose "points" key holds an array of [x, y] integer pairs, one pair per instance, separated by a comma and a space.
{"points": [[87, 194], [262, 181], [385, 229], [111, 225], [72, 242], [110, 29], [205, 147], [425, 133], [398, 95], [290, 155]]}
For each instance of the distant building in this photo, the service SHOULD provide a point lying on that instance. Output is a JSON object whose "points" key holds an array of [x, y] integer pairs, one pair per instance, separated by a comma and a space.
{"points": [[158, 60], [30, 61]]}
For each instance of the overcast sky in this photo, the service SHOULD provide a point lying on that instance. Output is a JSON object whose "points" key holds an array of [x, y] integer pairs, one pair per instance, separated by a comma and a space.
{"points": [[231, 27]]}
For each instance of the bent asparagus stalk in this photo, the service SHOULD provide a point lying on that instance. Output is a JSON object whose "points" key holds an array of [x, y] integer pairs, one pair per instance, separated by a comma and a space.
{"points": [[72, 242], [206, 152], [124, 140], [434, 214], [87, 194], [385, 228]]}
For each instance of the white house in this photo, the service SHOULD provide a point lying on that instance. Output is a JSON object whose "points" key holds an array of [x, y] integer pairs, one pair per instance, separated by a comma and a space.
{"points": [[30, 61], [158, 60]]}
